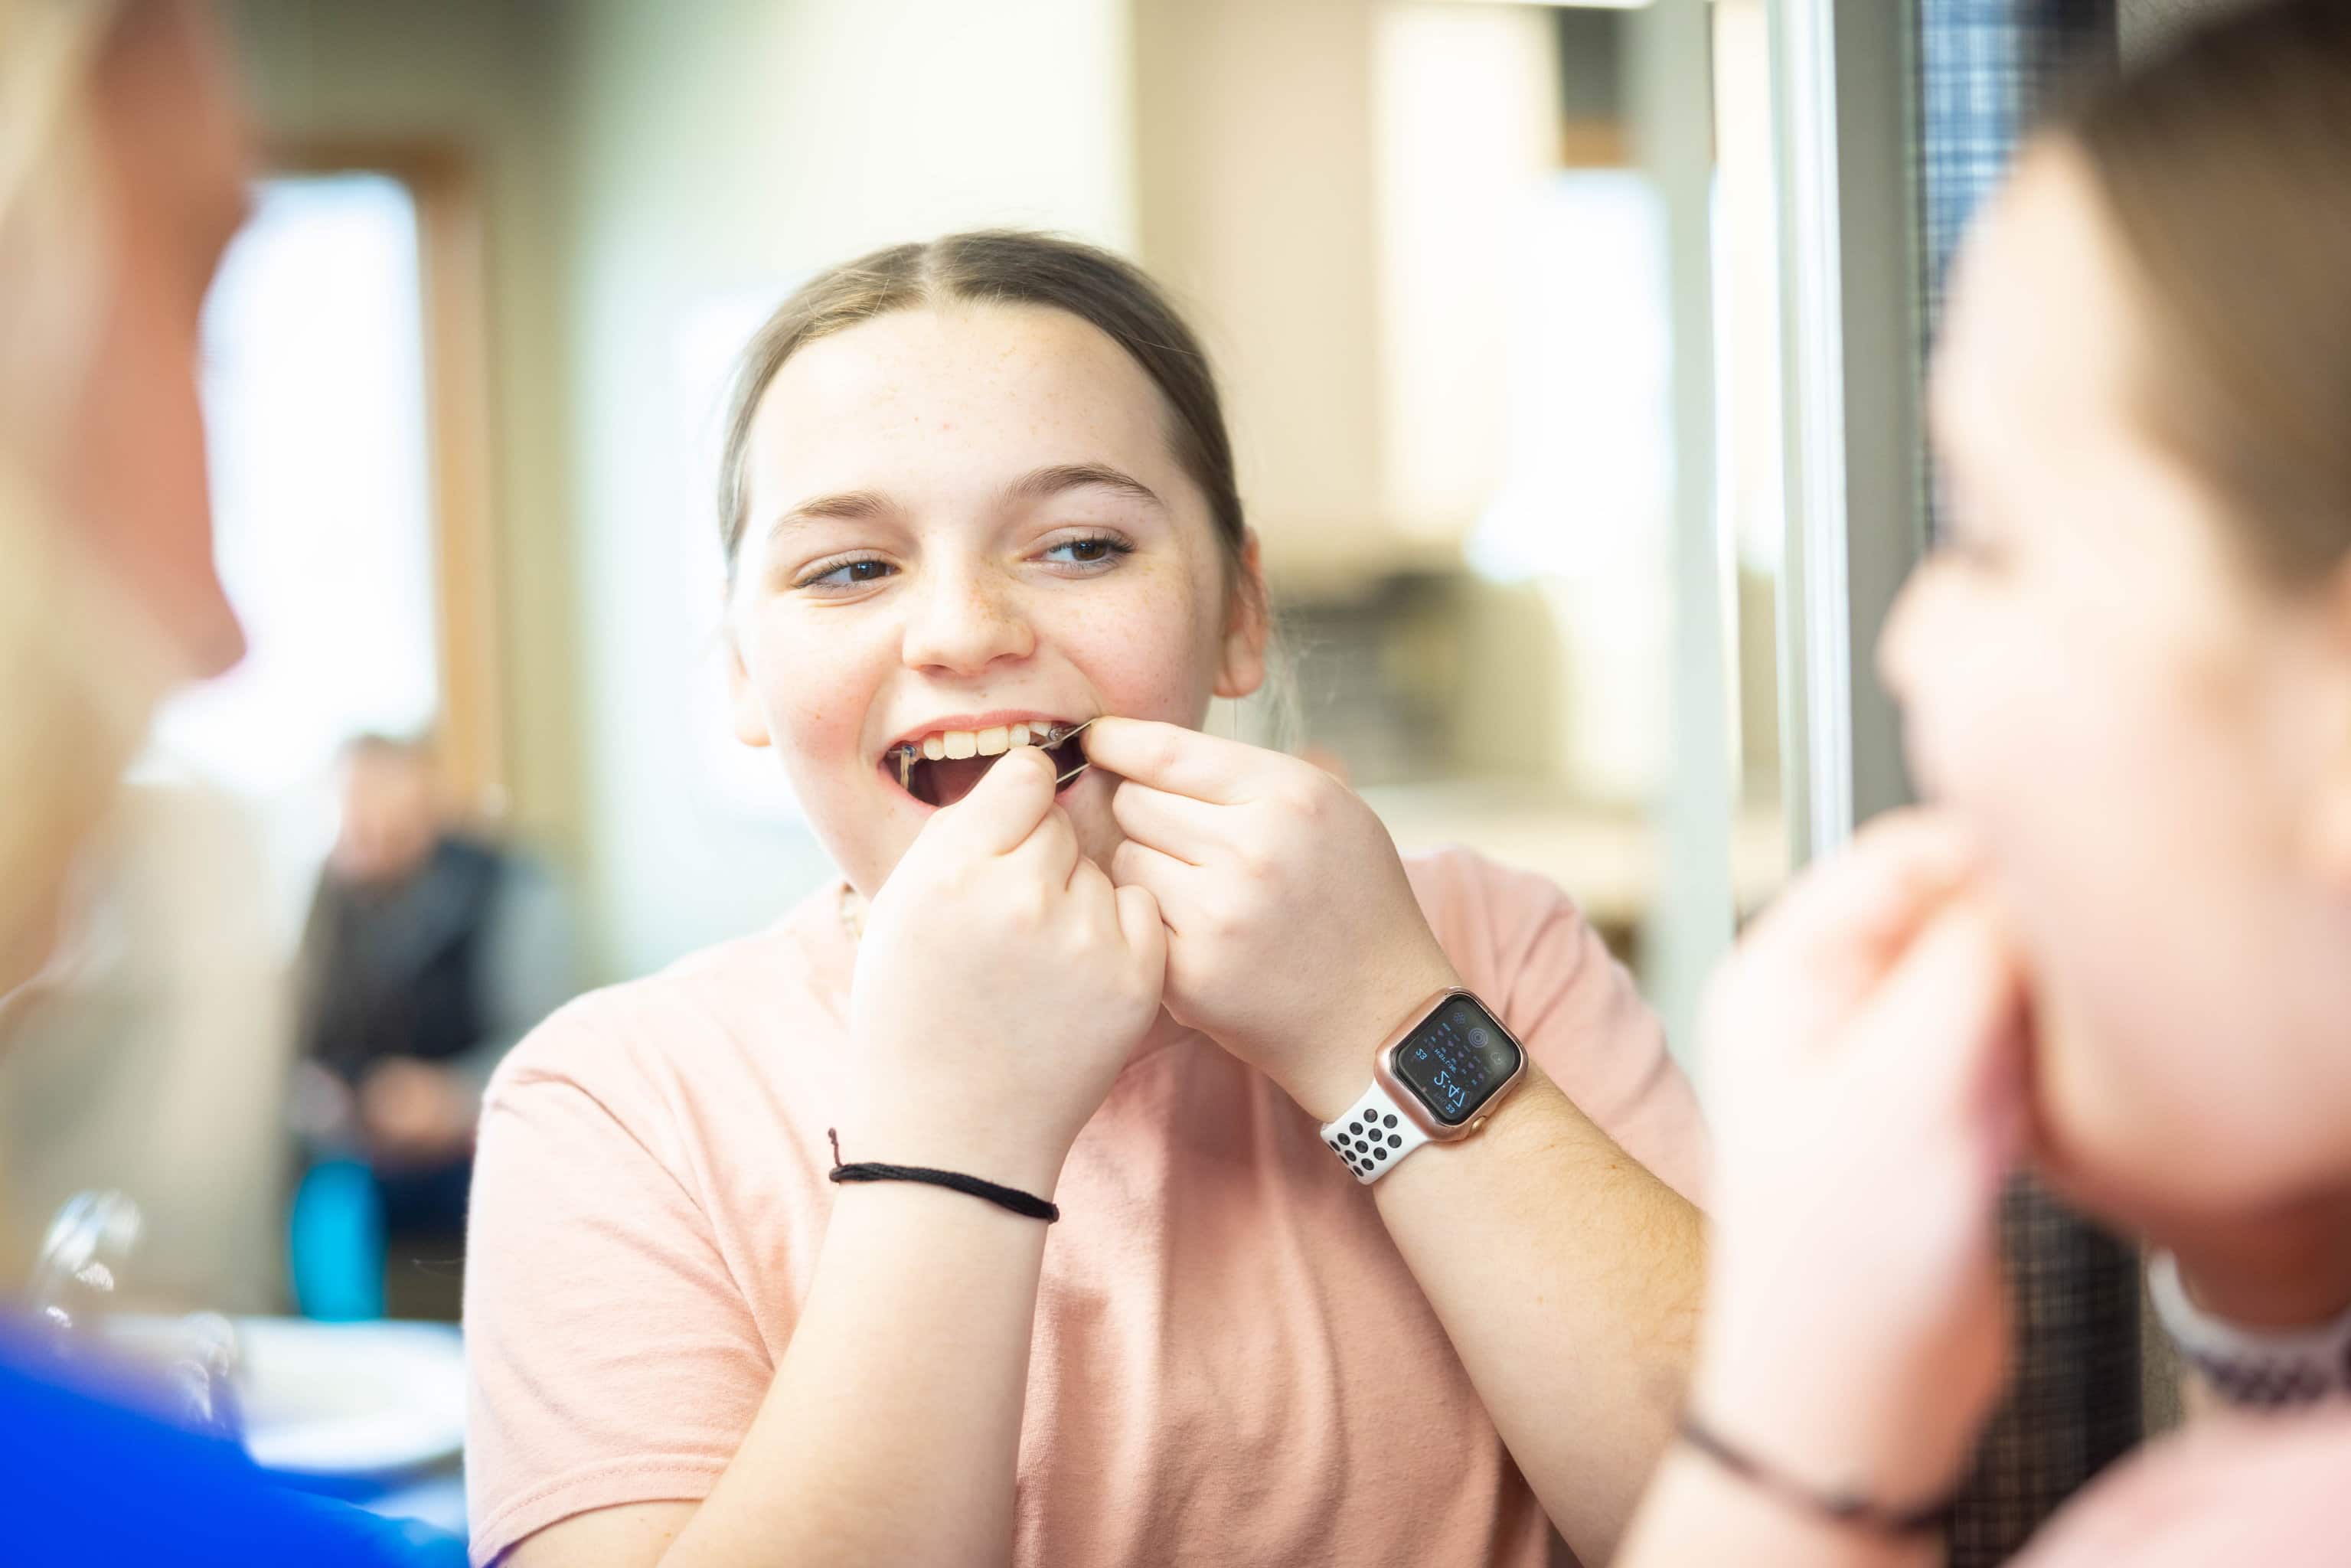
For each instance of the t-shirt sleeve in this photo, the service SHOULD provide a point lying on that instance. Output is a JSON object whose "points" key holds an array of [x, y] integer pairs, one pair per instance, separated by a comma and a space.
{"points": [[1523, 944], [612, 1356]]}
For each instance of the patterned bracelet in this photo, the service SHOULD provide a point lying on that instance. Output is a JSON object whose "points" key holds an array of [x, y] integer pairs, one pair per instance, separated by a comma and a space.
{"points": [[2252, 1369]]}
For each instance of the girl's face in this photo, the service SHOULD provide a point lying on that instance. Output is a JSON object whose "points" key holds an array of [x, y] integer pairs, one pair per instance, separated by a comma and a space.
{"points": [[960, 520], [2153, 746]]}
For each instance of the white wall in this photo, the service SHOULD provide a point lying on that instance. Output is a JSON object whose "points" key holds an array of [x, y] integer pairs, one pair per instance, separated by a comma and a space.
{"points": [[721, 151]]}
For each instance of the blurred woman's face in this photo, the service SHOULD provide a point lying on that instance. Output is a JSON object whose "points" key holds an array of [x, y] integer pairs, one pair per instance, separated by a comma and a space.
{"points": [[131, 455], [103, 286], [2154, 746]]}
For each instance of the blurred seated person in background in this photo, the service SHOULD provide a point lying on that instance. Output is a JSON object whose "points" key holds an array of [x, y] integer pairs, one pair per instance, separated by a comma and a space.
{"points": [[430, 950]]}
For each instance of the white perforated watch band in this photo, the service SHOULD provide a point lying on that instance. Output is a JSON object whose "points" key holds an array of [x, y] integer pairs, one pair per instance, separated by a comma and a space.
{"points": [[2252, 1368], [1373, 1134]]}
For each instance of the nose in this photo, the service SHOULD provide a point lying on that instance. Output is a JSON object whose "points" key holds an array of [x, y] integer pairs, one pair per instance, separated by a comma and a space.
{"points": [[963, 623]]}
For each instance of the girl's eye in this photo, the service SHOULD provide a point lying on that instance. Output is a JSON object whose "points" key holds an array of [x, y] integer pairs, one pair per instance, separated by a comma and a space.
{"points": [[1096, 550], [847, 574]]}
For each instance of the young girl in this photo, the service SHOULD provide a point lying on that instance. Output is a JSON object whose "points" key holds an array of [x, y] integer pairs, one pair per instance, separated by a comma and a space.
{"points": [[2124, 942], [978, 492]]}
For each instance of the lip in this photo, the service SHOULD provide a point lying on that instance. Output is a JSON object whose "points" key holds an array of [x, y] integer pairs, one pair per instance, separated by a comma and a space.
{"points": [[990, 720]]}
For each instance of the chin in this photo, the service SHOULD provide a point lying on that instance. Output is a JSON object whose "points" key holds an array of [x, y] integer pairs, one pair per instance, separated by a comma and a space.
{"points": [[2156, 1159]]}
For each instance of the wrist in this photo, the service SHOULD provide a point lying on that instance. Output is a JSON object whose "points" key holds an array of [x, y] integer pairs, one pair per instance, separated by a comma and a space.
{"points": [[1328, 1077], [1803, 1405], [1026, 1158]]}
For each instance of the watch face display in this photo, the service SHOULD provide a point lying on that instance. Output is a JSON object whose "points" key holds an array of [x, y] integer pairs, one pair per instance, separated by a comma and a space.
{"points": [[1456, 1059]]}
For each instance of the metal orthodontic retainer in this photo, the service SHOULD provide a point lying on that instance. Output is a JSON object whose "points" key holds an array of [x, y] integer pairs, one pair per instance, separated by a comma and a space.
{"points": [[1051, 735]]}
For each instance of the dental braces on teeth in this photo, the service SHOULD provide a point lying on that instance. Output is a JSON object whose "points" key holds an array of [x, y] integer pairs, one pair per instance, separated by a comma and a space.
{"points": [[1044, 735]]}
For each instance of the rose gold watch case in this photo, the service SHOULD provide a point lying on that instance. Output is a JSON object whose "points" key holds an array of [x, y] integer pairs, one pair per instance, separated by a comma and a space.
{"points": [[1408, 1101]]}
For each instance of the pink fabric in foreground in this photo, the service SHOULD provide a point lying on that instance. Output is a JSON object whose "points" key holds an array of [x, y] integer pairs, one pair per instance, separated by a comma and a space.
{"points": [[2231, 1489], [1232, 1364]]}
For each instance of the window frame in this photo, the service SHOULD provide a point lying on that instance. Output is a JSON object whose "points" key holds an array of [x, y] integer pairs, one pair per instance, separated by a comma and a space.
{"points": [[445, 183]]}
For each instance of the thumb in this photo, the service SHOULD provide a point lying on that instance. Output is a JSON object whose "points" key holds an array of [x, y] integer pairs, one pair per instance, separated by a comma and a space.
{"points": [[1005, 807]]}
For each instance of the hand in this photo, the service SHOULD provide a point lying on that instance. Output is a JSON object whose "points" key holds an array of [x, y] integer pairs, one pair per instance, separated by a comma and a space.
{"points": [[1866, 1053], [1002, 984], [320, 1106], [415, 1113], [1293, 935]]}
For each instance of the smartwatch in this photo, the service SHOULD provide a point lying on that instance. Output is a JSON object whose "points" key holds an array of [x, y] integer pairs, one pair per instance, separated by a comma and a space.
{"points": [[1436, 1080]]}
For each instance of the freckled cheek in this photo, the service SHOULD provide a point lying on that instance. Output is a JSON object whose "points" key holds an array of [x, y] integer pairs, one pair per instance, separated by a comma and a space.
{"points": [[816, 689], [1146, 654]]}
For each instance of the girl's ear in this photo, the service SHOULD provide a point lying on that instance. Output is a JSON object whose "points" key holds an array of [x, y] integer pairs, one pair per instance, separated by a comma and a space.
{"points": [[1249, 622], [743, 697]]}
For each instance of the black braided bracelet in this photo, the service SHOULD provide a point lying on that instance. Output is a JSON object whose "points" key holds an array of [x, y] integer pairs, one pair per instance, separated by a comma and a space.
{"points": [[1844, 1507], [1026, 1204]]}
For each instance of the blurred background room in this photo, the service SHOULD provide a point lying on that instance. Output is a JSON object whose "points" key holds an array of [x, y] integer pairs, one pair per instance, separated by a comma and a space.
{"points": [[1495, 293], [1491, 287]]}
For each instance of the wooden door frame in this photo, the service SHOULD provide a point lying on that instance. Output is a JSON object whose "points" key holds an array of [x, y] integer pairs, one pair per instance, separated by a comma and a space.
{"points": [[444, 182]]}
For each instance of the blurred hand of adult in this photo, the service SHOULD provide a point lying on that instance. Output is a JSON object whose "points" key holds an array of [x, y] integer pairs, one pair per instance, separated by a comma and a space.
{"points": [[416, 1113], [1866, 1053]]}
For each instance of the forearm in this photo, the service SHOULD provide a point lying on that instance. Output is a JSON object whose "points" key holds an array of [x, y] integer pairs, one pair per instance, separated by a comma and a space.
{"points": [[1568, 1279], [892, 1430]]}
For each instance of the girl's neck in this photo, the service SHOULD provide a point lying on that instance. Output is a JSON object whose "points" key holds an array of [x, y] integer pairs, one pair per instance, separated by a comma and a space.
{"points": [[2287, 1269]]}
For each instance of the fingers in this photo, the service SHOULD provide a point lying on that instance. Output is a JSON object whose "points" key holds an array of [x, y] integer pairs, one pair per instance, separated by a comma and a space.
{"points": [[1005, 806], [1171, 883], [1175, 825], [1139, 922], [1949, 1017], [1049, 853], [1845, 920], [1132, 912], [1170, 758]]}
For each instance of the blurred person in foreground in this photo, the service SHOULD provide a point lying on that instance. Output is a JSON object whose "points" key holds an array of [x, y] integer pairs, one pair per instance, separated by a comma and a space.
{"points": [[121, 181], [2119, 943], [430, 950]]}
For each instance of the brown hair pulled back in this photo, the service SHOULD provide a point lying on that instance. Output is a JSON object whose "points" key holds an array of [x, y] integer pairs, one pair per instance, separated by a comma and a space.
{"points": [[2224, 168], [1001, 266]]}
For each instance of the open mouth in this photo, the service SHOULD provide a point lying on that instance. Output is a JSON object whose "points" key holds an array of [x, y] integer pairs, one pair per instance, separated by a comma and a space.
{"points": [[940, 769]]}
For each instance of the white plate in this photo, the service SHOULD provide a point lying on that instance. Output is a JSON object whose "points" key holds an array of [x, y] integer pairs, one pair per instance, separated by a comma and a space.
{"points": [[361, 1400], [351, 1399]]}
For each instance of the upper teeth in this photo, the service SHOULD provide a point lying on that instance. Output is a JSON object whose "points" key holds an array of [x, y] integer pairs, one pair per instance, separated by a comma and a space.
{"points": [[959, 743]]}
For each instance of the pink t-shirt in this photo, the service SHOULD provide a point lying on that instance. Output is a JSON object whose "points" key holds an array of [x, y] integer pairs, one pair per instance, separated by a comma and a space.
{"points": [[2233, 1489], [1232, 1364]]}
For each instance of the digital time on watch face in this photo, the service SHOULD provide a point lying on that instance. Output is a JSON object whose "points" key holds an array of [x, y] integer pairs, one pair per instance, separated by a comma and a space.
{"points": [[1456, 1059]]}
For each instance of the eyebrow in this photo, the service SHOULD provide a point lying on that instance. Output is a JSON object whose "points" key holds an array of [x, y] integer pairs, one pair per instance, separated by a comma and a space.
{"points": [[1041, 484], [1037, 484], [849, 506]]}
